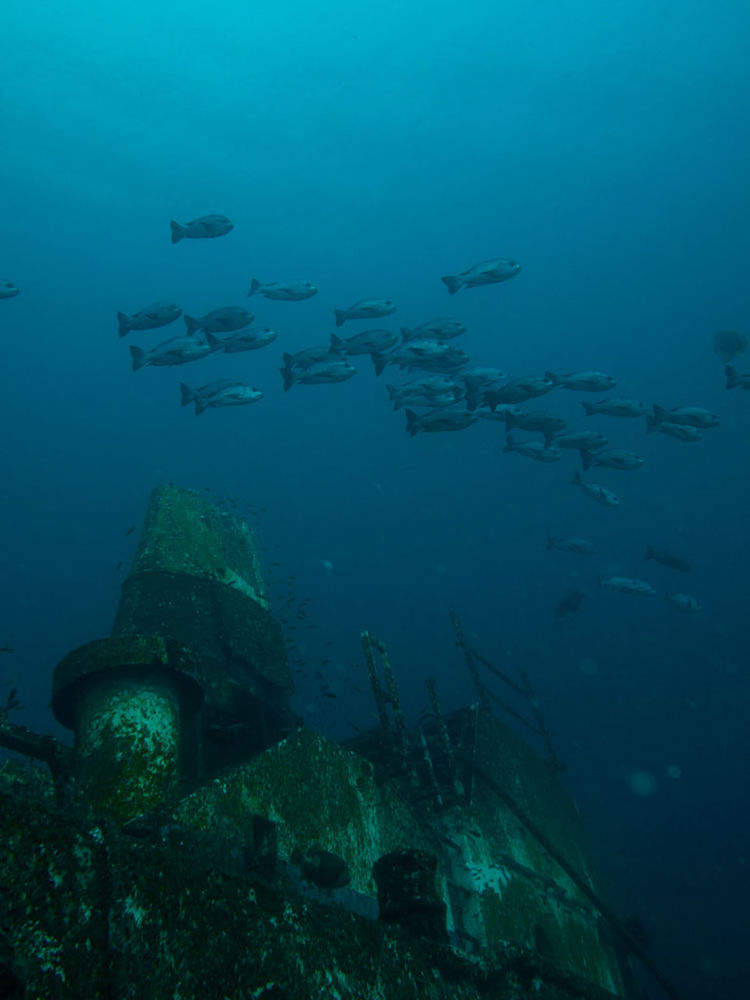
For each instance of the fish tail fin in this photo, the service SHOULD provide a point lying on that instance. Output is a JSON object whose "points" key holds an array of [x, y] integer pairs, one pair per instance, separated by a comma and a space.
{"points": [[553, 378], [288, 376], [452, 282], [178, 231], [191, 324], [200, 405], [340, 315], [186, 394], [587, 459], [551, 543], [214, 342], [589, 408], [139, 357], [650, 423], [254, 286], [379, 360], [731, 374], [394, 397], [406, 334], [660, 414], [412, 422], [577, 478], [510, 419], [337, 345], [549, 437], [123, 324], [510, 443]]}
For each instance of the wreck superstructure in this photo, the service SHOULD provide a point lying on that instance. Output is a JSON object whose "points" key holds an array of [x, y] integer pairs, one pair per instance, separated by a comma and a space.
{"points": [[199, 841]]}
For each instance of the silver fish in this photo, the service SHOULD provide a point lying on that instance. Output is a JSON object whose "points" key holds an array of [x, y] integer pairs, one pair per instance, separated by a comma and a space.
{"points": [[518, 389], [223, 320], [438, 420], [221, 393], [320, 373], [177, 351], [436, 391], [612, 458], [581, 546], [599, 493], [149, 318], [581, 440], [735, 379], [680, 431], [667, 558], [245, 340], [367, 342], [535, 420], [434, 329], [537, 450], [430, 355], [205, 228], [283, 291], [685, 602], [8, 290], [488, 272], [614, 407], [687, 416], [627, 585], [310, 356], [365, 309], [585, 381]]}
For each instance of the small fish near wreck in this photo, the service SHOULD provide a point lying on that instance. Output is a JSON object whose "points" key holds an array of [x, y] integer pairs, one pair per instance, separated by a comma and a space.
{"points": [[581, 546], [222, 393], [177, 351], [365, 309], [728, 344], [669, 559], [283, 291], [207, 227], [319, 373], [596, 492], [627, 585], [685, 603], [436, 421], [488, 272], [8, 290], [149, 318], [226, 319]]}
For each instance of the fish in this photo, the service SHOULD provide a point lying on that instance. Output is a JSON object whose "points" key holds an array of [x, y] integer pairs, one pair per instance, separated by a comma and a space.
{"points": [[435, 391], [599, 493], [735, 379], [216, 394], [488, 272], [581, 546], [518, 389], [5, 648], [244, 340], [479, 381], [223, 320], [667, 559], [585, 381], [149, 318], [283, 291], [319, 373], [205, 228], [438, 420], [612, 458], [614, 407], [8, 290], [537, 450], [728, 344], [570, 603], [535, 420], [430, 355], [581, 440], [365, 309], [627, 585], [313, 356], [687, 416], [434, 329], [679, 431], [684, 602], [367, 342], [177, 351]]}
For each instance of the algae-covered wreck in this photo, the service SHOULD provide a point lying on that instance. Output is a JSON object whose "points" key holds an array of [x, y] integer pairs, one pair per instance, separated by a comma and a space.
{"points": [[198, 841]]}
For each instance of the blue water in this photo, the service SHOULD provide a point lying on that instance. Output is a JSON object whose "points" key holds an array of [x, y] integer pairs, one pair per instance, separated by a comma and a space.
{"points": [[371, 149]]}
